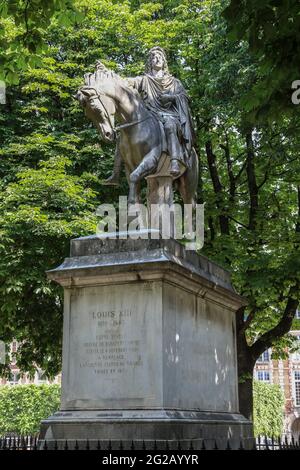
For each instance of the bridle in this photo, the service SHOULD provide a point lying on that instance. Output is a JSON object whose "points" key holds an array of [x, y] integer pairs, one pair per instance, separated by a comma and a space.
{"points": [[115, 129]]}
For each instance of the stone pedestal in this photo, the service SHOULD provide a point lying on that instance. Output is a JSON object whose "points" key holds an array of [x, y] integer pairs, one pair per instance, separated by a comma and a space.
{"points": [[149, 350], [159, 202]]}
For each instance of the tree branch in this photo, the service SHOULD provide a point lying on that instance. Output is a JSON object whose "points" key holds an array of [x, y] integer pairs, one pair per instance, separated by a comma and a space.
{"points": [[252, 184], [232, 185], [283, 327], [218, 188]]}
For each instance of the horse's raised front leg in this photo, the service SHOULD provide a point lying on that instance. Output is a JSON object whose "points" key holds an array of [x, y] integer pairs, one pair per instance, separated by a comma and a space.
{"points": [[146, 167], [113, 180]]}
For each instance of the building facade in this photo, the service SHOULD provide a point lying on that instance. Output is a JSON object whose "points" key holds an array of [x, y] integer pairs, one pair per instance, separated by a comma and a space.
{"points": [[286, 373], [18, 379]]}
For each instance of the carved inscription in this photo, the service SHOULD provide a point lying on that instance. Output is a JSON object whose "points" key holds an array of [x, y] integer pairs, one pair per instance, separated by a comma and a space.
{"points": [[113, 349]]}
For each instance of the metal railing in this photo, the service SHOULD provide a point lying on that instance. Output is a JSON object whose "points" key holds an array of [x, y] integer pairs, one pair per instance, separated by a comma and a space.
{"points": [[33, 443]]}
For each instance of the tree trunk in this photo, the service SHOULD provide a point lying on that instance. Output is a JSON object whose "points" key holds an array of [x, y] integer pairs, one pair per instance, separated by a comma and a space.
{"points": [[246, 394], [246, 364]]}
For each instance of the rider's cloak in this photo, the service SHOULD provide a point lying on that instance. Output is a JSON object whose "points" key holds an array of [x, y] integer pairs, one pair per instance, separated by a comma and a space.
{"points": [[151, 88]]}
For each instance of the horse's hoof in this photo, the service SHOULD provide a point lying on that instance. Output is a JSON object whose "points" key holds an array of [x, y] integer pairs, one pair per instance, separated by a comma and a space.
{"points": [[110, 182]]}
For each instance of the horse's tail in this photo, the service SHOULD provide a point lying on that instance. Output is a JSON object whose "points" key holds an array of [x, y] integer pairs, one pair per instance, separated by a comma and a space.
{"points": [[194, 174], [188, 183]]}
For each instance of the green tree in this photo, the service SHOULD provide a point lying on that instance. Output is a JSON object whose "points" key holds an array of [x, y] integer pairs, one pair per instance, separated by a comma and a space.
{"points": [[272, 30], [23, 25], [39, 213]]}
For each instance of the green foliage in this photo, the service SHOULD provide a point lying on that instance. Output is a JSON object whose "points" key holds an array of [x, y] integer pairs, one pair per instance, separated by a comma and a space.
{"points": [[23, 25], [272, 30], [22, 407], [39, 213], [268, 409]]}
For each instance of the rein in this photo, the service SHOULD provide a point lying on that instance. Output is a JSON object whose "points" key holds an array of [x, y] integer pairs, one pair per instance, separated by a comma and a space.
{"points": [[122, 126], [129, 124]]}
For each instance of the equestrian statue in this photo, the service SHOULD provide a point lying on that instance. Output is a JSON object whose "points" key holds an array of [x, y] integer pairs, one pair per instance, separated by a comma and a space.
{"points": [[154, 132]]}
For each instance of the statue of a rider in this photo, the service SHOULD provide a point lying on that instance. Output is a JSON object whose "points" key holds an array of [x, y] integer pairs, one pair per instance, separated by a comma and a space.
{"points": [[166, 98]]}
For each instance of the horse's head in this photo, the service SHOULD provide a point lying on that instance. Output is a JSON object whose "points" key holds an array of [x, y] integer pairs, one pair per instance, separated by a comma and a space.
{"points": [[100, 108]]}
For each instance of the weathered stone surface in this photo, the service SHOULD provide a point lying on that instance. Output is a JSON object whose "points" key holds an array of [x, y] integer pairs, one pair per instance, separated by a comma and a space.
{"points": [[116, 255], [149, 343]]}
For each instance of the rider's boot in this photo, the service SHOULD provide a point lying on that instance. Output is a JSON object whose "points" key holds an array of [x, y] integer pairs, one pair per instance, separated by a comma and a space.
{"points": [[175, 168]]}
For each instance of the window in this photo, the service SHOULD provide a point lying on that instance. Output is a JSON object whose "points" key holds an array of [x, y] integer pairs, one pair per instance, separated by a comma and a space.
{"points": [[263, 375], [15, 377], [264, 357], [297, 314], [41, 377], [296, 355], [297, 387]]}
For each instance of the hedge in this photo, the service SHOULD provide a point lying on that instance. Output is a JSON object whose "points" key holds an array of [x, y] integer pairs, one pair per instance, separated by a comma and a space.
{"points": [[22, 407], [268, 408]]}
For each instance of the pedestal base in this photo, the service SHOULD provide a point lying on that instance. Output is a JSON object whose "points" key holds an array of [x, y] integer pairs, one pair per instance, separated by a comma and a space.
{"points": [[145, 427], [149, 350]]}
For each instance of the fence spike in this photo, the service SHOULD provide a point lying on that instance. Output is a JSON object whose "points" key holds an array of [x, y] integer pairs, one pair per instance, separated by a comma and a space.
{"points": [[228, 447], [203, 447], [191, 446], [121, 447], [144, 445], [55, 445], [87, 447], [179, 446], [45, 445], [98, 445], [293, 441], [167, 445], [24, 443], [266, 443]]}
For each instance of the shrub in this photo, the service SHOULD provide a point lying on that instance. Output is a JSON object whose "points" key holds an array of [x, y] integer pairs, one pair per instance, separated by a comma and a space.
{"points": [[22, 407], [268, 402]]}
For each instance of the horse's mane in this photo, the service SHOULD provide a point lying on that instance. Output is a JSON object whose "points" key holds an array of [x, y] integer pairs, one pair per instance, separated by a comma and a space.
{"points": [[101, 73]]}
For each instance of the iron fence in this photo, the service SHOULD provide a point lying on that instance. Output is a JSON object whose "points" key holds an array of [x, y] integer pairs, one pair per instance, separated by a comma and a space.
{"points": [[33, 443]]}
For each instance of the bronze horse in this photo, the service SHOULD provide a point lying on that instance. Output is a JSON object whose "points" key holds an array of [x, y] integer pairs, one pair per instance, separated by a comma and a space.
{"points": [[107, 97]]}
